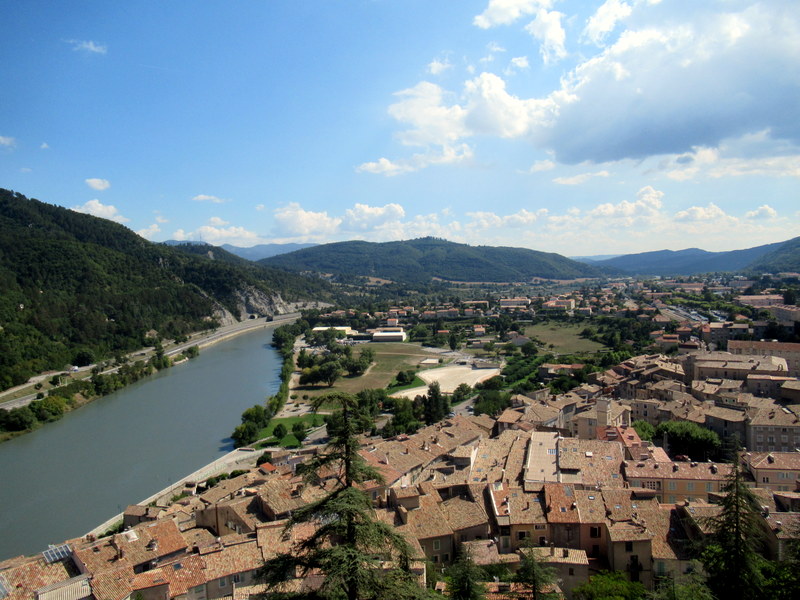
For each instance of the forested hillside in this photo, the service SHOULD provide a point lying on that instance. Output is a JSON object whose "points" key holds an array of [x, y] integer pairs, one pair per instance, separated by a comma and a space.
{"points": [[420, 260], [72, 284]]}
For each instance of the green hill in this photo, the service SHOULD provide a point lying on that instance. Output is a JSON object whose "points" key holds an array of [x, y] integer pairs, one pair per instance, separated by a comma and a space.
{"points": [[783, 259], [420, 260], [72, 283]]}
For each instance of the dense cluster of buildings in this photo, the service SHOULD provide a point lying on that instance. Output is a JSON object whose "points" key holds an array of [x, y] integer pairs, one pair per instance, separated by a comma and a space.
{"points": [[565, 473]]}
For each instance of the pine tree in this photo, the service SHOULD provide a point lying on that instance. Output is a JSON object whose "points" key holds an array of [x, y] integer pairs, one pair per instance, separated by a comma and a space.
{"points": [[349, 542], [536, 574], [463, 579], [731, 559]]}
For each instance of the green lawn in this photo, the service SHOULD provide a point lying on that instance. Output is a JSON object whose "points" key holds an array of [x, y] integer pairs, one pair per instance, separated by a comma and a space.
{"points": [[565, 337], [289, 440], [389, 359]]}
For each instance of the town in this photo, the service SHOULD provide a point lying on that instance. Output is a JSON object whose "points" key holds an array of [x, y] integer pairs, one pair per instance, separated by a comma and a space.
{"points": [[592, 465]]}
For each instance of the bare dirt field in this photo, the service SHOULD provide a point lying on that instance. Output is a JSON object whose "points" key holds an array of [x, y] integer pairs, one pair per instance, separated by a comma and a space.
{"points": [[449, 378]]}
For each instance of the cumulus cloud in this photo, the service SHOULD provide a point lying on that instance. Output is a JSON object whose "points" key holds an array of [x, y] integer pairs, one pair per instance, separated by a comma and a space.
{"points": [[87, 46], [216, 233], [579, 179], [765, 211], [644, 93], [149, 232], [293, 220], [161, 219], [546, 28], [98, 209], [505, 12], [98, 184], [483, 220], [603, 22], [437, 66], [648, 203], [363, 216], [542, 165], [217, 222], [8, 142], [701, 213], [208, 198]]}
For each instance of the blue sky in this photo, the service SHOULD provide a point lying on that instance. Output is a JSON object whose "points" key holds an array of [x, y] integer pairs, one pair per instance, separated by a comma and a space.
{"points": [[577, 127]]}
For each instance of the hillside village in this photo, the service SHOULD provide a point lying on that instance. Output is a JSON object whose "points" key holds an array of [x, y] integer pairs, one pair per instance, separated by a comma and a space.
{"points": [[565, 472]]}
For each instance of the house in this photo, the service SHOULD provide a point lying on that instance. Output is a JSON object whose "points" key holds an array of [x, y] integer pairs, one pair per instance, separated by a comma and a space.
{"points": [[778, 471]]}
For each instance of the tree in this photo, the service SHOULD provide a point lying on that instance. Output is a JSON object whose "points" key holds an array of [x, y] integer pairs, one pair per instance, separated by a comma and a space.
{"points": [[732, 559], [535, 574], [609, 585], [348, 539], [280, 431], [685, 437], [463, 579], [691, 586], [453, 342], [645, 430]]}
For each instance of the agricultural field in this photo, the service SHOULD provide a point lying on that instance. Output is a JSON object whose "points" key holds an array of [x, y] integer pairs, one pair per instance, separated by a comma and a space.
{"points": [[564, 337]]}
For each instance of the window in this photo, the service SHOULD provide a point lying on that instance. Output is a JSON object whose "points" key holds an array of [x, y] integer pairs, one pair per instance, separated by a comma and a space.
{"points": [[521, 535], [437, 545], [628, 546], [436, 558], [672, 499], [671, 486], [445, 557], [709, 487], [690, 486], [594, 532], [765, 480], [237, 578], [223, 582], [571, 571]]}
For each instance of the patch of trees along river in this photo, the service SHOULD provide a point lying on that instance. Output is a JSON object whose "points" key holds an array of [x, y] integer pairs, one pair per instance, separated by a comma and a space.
{"points": [[69, 476]]}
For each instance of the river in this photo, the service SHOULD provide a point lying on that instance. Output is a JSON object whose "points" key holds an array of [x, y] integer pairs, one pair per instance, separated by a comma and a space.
{"points": [[69, 476]]}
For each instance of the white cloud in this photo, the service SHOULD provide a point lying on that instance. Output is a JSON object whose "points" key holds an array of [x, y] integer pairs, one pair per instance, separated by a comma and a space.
{"points": [[216, 234], [437, 67], [701, 213], [542, 165], [579, 179], [149, 232], [520, 62], [208, 198], [384, 166], [765, 211], [603, 22], [546, 28], [25, 170], [161, 219], [8, 142], [44, 146], [87, 46], [293, 220], [505, 12], [647, 203], [363, 216], [260, 207], [98, 209], [483, 220], [98, 184], [217, 222]]}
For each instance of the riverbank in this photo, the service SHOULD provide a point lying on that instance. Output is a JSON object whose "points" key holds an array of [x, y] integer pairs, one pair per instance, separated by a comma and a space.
{"points": [[78, 400]]}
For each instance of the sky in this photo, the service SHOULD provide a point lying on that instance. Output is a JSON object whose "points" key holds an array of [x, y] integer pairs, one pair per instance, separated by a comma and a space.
{"points": [[579, 127]]}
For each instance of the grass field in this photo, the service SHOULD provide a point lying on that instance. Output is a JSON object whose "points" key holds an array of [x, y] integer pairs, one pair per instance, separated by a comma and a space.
{"points": [[564, 337], [389, 359], [289, 440]]}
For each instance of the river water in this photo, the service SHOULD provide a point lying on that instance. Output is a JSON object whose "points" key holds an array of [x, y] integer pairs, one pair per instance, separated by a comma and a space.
{"points": [[67, 477]]}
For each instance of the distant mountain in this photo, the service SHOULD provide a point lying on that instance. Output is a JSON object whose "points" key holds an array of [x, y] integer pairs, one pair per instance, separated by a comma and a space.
{"points": [[420, 260], [72, 283], [260, 251], [690, 261], [590, 260], [783, 259]]}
